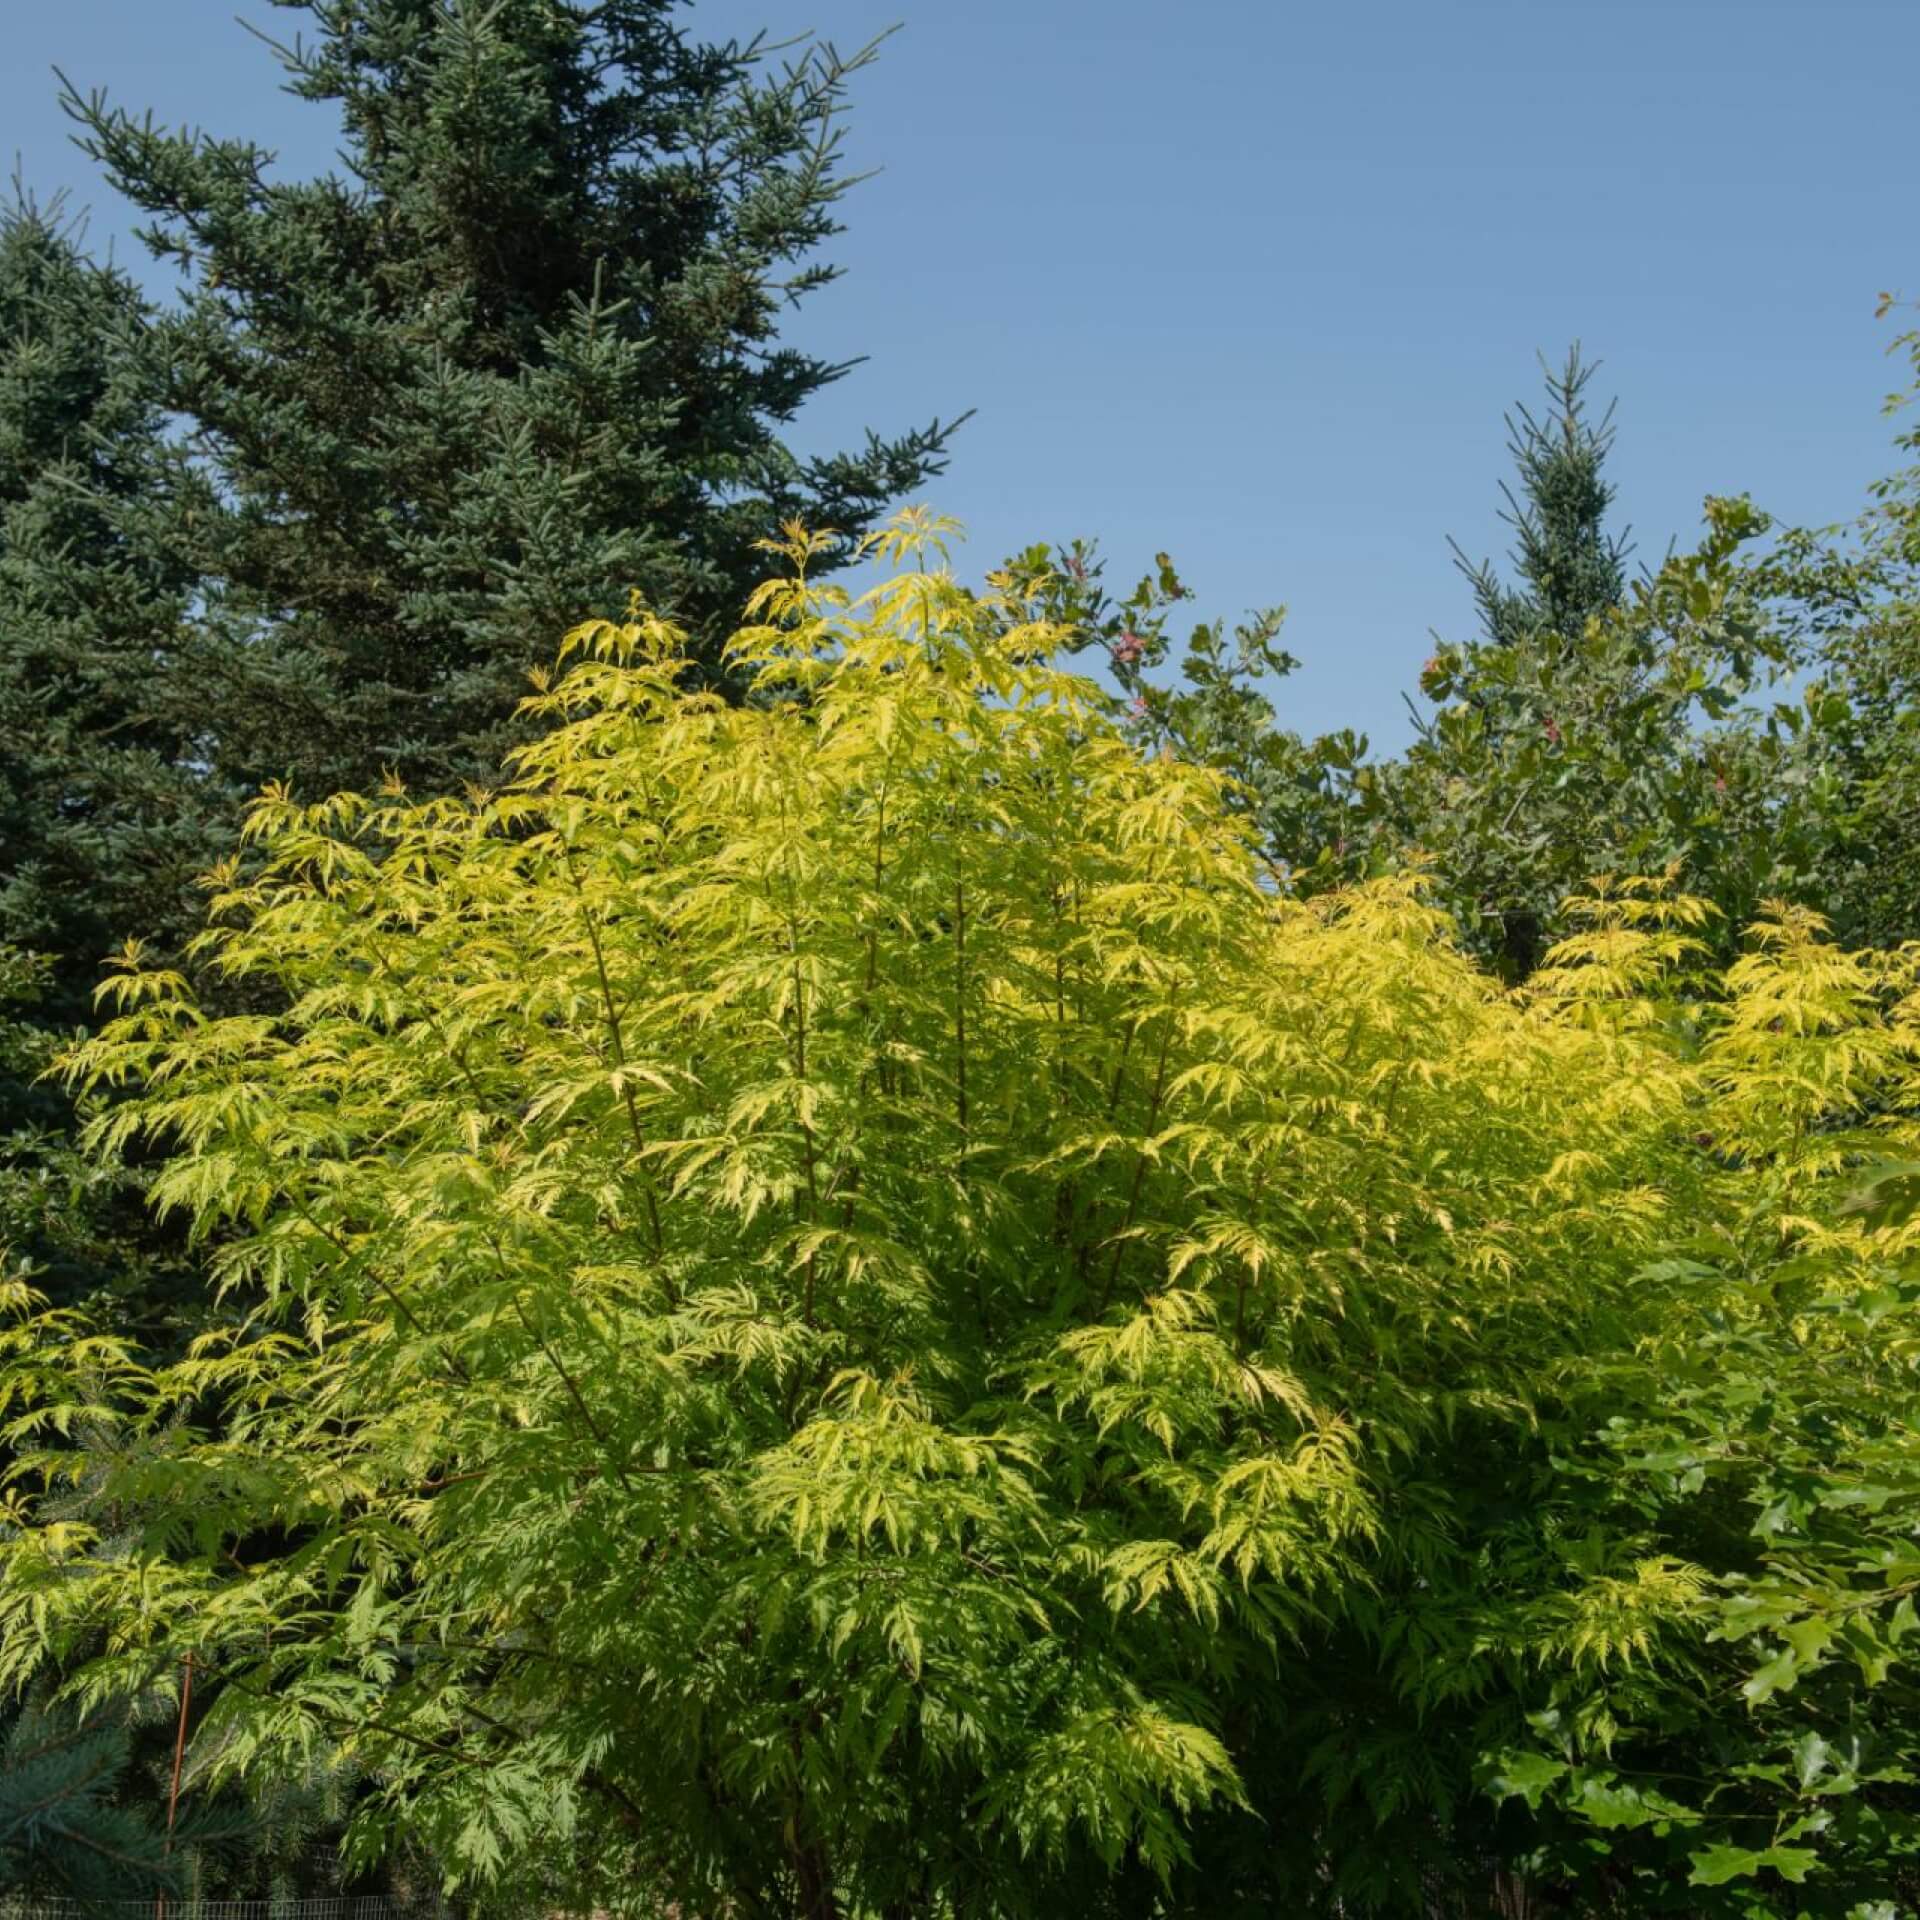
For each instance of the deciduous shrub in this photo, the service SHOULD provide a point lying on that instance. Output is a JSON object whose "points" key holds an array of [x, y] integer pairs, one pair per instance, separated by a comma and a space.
{"points": [[849, 1311]]}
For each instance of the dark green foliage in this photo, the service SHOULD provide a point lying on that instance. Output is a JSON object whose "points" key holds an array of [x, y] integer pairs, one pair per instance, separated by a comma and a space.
{"points": [[1595, 726], [62, 1826], [517, 361], [1873, 864], [1570, 566], [72, 1225], [83, 1803], [108, 811], [74, 1816], [1851, 598], [104, 808], [1515, 786]]}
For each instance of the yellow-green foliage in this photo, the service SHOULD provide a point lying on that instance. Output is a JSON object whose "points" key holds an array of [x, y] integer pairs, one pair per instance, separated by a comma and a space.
{"points": [[840, 1294]]}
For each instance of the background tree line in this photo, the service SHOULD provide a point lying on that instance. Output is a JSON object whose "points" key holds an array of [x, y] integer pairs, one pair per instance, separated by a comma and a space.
{"points": [[316, 520]]}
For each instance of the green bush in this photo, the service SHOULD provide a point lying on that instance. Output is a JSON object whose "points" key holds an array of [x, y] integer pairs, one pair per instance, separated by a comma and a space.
{"points": [[847, 1312]]}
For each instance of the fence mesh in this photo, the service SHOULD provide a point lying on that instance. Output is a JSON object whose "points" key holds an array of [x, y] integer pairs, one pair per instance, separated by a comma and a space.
{"points": [[180, 1907]]}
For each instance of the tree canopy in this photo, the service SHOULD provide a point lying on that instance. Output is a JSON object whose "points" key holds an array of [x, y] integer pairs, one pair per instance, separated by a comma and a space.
{"points": [[316, 516], [515, 360]]}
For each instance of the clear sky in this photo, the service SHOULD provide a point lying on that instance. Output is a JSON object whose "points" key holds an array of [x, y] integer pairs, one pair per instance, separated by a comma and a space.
{"points": [[1254, 282]]}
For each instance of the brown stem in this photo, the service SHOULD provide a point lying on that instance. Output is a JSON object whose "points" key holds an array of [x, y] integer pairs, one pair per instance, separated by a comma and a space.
{"points": [[960, 1005], [373, 1273], [616, 1039], [1140, 1161], [818, 1900], [1083, 1253], [1240, 1293], [559, 1366], [809, 1149], [173, 1790]]}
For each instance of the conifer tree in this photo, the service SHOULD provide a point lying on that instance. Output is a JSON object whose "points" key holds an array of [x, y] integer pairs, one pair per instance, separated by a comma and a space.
{"points": [[1570, 566], [85, 1795], [103, 801], [102, 825], [64, 1827], [515, 361], [1568, 569], [107, 809]]}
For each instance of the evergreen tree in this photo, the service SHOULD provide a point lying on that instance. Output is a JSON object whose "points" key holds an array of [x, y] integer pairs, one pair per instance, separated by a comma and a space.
{"points": [[104, 805], [1570, 567], [516, 362], [65, 1826], [1568, 570], [86, 1794], [107, 812]]}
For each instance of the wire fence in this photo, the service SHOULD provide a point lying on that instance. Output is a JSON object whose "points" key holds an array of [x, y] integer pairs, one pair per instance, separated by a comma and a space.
{"points": [[183, 1907]]}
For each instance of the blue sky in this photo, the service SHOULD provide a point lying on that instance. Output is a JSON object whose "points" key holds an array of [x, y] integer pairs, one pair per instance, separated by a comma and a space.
{"points": [[1254, 283]]}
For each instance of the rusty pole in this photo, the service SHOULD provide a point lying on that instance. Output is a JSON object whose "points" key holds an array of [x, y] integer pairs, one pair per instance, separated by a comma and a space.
{"points": [[173, 1793]]}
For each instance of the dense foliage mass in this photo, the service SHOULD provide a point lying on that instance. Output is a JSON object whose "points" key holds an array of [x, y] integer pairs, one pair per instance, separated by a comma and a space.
{"points": [[844, 1311], [830, 1273], [317, 515], [1741, 713], [101, 827], [317, 518]]}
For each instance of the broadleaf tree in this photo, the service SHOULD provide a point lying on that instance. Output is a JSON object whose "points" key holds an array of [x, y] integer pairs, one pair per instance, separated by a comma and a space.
{"points": [[1850, 597]]}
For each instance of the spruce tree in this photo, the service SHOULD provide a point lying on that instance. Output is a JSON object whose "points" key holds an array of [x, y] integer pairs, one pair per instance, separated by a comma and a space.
{"points": [[104, 801], [107, 809], [516, 361], [1596, 725], [1570, 566], [66, 1827], [85, 1794], [405, 425]]}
